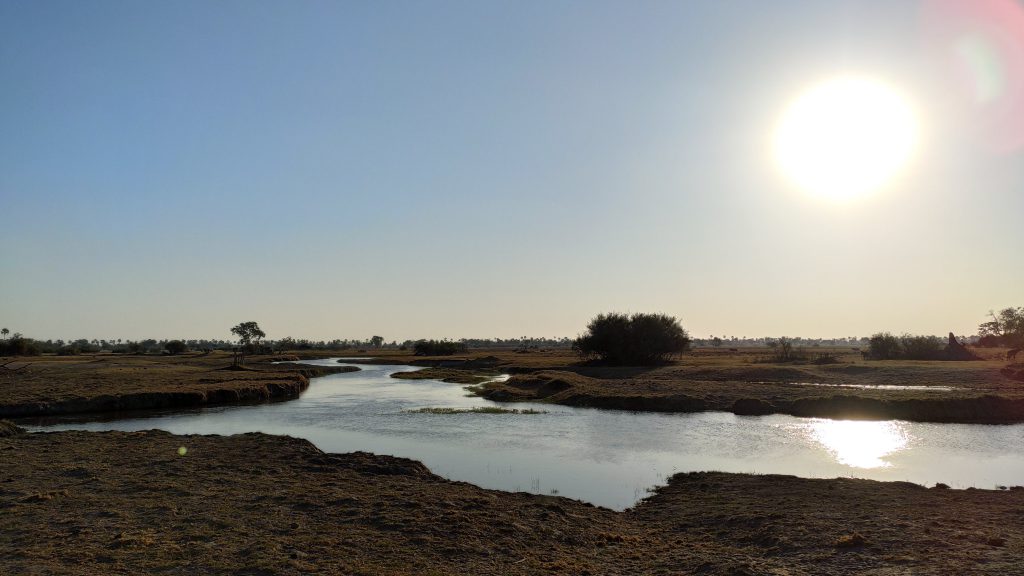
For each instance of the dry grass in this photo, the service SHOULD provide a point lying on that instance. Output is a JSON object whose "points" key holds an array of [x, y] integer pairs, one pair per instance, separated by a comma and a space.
{"points": [[740, 383], [62, 385], [476, 410], [127, 503]]}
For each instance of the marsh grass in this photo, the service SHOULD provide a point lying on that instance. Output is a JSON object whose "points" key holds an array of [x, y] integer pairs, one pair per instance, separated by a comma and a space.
{"points": [[476, 410]]}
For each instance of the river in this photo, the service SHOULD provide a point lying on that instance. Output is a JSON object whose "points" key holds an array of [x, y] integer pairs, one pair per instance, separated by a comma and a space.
{"points": [[606, 457]]}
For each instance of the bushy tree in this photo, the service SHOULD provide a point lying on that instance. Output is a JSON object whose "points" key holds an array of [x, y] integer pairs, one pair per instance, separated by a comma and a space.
{"points": [[175, 347], [885, 346], [639, 339], [18, 345], [1005, 328], [437, 348], [249, 335]]}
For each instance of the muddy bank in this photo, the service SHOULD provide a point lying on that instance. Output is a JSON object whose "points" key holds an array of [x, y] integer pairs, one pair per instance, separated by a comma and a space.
{"points": [[128, 503], [59, 386], [677, 392]]}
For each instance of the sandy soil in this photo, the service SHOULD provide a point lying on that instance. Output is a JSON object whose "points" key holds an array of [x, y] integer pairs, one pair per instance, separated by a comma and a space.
{"points": [[129, 503]]}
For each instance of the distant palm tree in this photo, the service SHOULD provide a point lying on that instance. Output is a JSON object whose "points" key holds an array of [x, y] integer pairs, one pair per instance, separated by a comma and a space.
{"points": [[5, 332]]}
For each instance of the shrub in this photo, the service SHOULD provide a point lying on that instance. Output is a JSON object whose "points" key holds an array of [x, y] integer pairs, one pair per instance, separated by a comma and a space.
{"points": [[640, 339], [437, 348], [18, 345], [922, 347], [885, 346], [175, 347], [783, 351]]}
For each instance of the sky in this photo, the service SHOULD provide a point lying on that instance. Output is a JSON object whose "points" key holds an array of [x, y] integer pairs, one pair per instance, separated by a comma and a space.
{"points": [[494, 169]]}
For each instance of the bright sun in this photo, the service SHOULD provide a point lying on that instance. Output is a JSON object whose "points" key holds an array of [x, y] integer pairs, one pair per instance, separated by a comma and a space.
{"points": [[845, 137]]}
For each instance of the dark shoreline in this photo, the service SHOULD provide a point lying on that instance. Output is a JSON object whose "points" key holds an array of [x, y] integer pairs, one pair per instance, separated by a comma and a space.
{"points": [[119, 503], [263, 383], [985, 409]]}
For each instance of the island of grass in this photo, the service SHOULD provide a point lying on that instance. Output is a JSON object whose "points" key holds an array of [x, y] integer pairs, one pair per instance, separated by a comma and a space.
{"points": [[744, 381], [476, 410], [59, 385]]}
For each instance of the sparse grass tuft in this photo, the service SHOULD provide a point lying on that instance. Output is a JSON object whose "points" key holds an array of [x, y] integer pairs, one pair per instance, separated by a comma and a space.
{"points": [[8, 428], [476, 410], [854, 540]]}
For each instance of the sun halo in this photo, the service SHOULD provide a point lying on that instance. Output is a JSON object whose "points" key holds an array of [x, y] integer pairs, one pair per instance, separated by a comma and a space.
{"points": [[845, 137]]}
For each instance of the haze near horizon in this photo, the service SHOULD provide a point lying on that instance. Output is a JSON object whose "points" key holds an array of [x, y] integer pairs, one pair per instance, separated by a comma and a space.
{"points": [[336, 170]]}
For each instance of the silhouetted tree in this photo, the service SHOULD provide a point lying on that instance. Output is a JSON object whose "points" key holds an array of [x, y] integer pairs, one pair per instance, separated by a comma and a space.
{"points": [[175, 347], [1005, 328], [437, 347], [249, 336], [639, 339], [376, 341], [5, 332]]}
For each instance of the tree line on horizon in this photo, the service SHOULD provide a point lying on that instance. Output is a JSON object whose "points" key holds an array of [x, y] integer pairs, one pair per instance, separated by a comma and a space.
{"points": [[612, 337]]}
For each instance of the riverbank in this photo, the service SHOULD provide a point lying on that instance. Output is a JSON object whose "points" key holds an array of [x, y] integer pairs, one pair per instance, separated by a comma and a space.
{"points": [[744, 382], [53, 385], [90, 503]]}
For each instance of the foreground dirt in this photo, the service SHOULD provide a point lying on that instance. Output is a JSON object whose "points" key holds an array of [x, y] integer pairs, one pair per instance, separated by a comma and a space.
{"points": [[129, 503], [45, 386]]}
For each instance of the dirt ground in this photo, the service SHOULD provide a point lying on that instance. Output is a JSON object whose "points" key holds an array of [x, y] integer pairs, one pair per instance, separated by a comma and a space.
{"points": [[131, 503]]}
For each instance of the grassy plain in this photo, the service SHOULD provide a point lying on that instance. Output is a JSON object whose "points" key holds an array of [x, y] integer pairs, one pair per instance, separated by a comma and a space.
{"points": [[55, 385], [129, 503], [742, 381], [746, 381]]}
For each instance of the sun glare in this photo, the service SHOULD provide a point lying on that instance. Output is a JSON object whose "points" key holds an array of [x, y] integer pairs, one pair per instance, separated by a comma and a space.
{"points": [[845, 137], [860, 444]]}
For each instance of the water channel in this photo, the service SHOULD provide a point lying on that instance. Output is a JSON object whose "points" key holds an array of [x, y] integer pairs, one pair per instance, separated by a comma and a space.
{"points": [[606, 457]]}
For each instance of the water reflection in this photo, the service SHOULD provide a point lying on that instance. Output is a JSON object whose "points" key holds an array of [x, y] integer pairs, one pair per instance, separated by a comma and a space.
{"points": [[606, 457], [860, 444]]}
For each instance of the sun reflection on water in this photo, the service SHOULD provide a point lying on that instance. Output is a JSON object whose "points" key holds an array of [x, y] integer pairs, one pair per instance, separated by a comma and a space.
{"points": [[860, 444]]}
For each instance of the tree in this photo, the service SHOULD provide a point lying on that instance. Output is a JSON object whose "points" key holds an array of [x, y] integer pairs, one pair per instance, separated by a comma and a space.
{"points": [[884, 346], [5, 332], [377, 341], [249, 335], [1005, 328], [640, 339], [438, 348], [175, 347]]}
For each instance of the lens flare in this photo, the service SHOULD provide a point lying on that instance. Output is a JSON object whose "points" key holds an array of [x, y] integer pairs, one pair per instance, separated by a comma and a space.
{"points": [[980, 46]]}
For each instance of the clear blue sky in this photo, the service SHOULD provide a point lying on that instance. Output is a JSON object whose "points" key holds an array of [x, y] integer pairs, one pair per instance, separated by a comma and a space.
{"points": [[478, 169]]}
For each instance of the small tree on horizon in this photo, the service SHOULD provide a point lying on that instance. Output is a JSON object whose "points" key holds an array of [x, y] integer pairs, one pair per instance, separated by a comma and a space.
{"points": [[5, 332], [249, 336]]}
